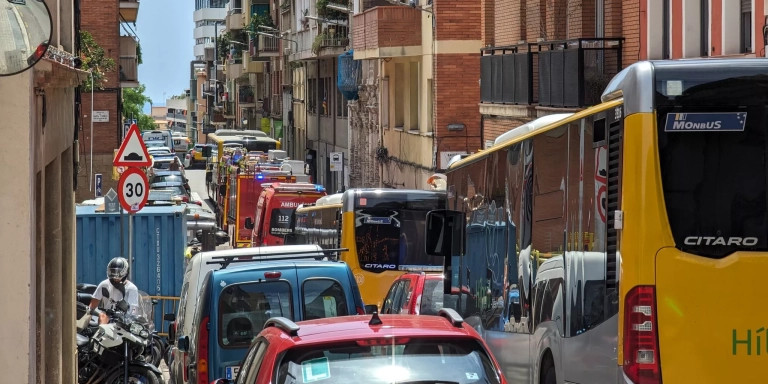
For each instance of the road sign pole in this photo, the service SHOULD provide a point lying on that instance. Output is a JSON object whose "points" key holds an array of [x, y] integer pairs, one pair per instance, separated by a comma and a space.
{"points": [[130, 246]]}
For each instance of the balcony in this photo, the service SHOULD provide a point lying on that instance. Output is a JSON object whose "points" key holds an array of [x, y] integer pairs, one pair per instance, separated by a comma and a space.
{"points": [[235, 19], [267, 46], [129, 62], [562, 74], [234, 67], [387, 31], [332, 41], [129, 10], [245, 96], [252, 66]]}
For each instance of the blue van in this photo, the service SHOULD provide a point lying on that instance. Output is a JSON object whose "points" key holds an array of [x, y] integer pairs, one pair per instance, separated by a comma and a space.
{"points": [[235, 302]]}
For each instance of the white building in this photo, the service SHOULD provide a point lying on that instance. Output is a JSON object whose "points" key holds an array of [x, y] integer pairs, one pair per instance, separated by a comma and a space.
{"points": [[208, 14]]}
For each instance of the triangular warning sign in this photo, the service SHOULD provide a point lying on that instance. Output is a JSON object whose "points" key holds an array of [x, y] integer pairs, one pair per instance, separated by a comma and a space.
{"points": [[133, 152]]}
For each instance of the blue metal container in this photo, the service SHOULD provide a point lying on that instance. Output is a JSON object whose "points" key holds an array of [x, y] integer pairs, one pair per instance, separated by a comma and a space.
{"points": [[159, 240]]}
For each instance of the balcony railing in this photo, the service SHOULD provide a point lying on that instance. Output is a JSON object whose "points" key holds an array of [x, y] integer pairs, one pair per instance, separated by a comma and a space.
{"points": [[569, 73], [129, 10], [267, 44], [129, 70], [386, 28], [245, 96], [334, 36]]}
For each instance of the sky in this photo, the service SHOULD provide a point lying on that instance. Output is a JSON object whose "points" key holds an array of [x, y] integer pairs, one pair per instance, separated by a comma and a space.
{"points": [[165, 31]]}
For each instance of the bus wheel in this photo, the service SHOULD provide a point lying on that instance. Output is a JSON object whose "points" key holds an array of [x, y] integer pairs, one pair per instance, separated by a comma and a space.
{"points": [[548, 371]]}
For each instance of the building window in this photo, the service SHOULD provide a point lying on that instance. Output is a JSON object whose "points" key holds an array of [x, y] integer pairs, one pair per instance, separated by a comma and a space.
{"points": [[312, 95], [413, 96], [665, 26], [746, 26], [324, 96], [704, 27], [399, 100], [341, 105], [430, 106]]}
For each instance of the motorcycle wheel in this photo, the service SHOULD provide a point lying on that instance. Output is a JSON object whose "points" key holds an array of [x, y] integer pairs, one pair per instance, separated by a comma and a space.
{"points": [[155, 353], [136, 375]]}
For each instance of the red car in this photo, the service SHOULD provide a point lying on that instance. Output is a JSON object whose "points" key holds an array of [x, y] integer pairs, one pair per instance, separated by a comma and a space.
{"points": [[369, 349], [419, 293]]}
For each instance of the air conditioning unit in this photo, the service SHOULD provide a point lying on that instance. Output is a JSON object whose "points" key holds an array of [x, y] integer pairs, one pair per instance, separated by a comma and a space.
{"points": [[287, 51]]}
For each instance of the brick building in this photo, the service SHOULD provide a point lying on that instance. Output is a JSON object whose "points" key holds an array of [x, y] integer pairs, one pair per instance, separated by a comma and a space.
{"points": [[102, 20], [419, 89], [544, 57]]}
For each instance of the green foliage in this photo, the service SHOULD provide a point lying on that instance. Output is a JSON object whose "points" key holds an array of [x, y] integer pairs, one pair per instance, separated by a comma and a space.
{"points": [[138, 52], [259, 19], [330, 14], [94, 60], [222, 46], [318, 43], [133, 106]]}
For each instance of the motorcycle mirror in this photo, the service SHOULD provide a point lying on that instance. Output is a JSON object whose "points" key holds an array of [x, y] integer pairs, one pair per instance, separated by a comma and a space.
{"points": [[105, 292], [222, 381], [29, 27], [169, 317], [123, 306]]}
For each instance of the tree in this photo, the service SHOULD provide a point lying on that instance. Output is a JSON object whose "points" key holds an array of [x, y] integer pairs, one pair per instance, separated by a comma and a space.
{"points": [[94, 60], [133, 105]]}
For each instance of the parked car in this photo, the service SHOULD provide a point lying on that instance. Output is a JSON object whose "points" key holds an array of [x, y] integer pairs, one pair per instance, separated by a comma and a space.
{"points": [[369, 349], [176, 187], [419, 293], [159, 176], [275, 280]]}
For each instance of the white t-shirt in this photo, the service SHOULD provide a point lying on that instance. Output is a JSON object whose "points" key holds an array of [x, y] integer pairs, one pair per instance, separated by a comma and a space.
{"points": [[131, 296]]}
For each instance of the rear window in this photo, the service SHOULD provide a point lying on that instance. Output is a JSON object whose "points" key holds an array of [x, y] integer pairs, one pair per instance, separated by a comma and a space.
{"points": [[280, 222], [413, 361], [323, 298], [432, 297], [712, 150], [244, 308]]}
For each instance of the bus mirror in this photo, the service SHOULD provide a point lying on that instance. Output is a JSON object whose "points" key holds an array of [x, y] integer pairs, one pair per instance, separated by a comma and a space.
{"points": [[248, 223], [445, 233], [206, 151]]}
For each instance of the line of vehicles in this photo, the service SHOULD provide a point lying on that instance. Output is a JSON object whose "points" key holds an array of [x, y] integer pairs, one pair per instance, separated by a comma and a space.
{"points": [[579, 248]]}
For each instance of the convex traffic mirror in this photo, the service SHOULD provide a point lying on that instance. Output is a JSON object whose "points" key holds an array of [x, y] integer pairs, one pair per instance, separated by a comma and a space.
{"points": [[25, 31]]}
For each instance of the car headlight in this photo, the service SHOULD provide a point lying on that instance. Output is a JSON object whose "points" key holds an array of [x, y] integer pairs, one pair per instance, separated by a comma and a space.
{"points": [[137, 328]]}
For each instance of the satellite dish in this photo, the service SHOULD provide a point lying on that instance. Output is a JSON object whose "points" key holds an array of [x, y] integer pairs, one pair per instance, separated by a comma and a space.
{"points": [[29, 25]]}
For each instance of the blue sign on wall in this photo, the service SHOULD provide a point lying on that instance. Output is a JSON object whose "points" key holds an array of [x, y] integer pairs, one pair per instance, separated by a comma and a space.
{"points": [[705, 121], [98, 184]]}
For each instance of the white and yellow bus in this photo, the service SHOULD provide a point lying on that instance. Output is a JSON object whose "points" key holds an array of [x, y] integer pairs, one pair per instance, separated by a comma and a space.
{"points": [[383, 230], [627, 242]]}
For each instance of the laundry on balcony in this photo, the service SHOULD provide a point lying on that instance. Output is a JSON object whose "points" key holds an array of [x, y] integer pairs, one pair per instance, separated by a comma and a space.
{"points": [[347, 75]]}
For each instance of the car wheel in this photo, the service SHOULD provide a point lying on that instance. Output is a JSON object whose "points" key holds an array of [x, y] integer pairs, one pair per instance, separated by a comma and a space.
{"points": [[548, 371]]}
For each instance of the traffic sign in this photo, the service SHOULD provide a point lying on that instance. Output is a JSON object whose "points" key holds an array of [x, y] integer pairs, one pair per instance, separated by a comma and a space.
{"points": [[132, 190], [111, 205], [133, 152], [98, 184], [337, 161]]}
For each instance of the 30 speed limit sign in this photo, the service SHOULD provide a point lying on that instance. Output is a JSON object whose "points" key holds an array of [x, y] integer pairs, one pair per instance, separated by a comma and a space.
{"points": [[132, 190]]}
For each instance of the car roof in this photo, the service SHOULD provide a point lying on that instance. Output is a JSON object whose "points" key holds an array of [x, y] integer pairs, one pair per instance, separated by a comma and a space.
{"points": [[268, 250], [167, 184], [350, 328], [167, 172], [239, 272]]}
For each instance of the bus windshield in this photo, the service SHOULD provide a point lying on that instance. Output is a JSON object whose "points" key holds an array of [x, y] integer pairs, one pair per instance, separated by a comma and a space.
{"points": [[388, 234]]}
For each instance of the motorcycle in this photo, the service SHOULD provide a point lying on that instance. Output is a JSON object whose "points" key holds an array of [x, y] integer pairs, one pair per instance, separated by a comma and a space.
{"points": [[158, 346], [112, 353]]}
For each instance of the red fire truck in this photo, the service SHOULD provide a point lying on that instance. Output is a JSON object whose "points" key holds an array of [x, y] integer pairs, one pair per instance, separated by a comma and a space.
{"points": [[275, 208]]}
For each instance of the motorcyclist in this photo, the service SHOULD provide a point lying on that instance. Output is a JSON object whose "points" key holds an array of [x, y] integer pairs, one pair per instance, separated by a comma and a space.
{"points": [[119, 288]]}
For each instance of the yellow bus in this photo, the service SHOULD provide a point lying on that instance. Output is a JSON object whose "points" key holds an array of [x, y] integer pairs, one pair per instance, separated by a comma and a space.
{"points": [[624, 243], [382, 229]]}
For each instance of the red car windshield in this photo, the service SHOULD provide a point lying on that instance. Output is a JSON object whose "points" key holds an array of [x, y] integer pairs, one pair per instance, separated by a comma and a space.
{"points": [[414, 361]]}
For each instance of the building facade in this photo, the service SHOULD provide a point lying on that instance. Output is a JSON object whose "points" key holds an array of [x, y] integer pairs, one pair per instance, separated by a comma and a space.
{"points": [[209, 22], [419, 89], [37, 273], [542, 57], [102, 135]]}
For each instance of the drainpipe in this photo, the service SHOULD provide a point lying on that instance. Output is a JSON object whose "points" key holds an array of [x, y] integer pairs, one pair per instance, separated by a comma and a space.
{"points": [[482, 132]]}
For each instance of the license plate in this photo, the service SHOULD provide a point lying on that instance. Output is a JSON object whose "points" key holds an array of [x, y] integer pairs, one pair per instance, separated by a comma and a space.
{"points": [[232, 372]]}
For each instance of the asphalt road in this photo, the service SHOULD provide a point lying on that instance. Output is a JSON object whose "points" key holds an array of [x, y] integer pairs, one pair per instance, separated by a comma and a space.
{"points": [[197, 183]]}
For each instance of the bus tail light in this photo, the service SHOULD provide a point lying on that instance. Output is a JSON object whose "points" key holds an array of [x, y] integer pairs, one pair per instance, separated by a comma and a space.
{"points": [[641, 342], [360, 311], [202, 352]]}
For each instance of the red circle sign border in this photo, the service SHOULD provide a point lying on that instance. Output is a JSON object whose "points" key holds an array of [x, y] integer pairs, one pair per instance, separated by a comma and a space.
{"points": [[121, 184]]}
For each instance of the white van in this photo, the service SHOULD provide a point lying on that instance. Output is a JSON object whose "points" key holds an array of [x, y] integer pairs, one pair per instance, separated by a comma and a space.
{"points": [[196, 270], [158, 136]]}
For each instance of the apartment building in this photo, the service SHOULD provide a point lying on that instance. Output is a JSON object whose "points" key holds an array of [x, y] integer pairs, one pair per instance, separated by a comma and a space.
{"points": [[419, 89], [542, 57], [102, 108], [40, 127]]}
